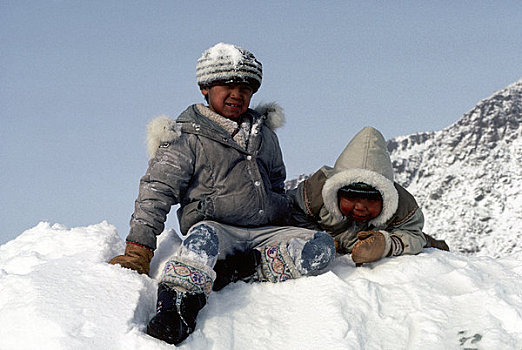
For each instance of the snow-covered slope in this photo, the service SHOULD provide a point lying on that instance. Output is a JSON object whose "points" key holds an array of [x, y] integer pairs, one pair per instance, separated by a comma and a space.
{"points": [[468, 176], [58, 292]]}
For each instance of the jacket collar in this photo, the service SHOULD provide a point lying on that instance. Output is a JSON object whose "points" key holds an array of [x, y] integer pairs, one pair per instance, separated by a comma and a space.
{"points": [[163, 129]]}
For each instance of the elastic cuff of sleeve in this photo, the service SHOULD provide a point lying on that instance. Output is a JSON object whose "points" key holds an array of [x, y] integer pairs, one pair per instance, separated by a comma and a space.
{"points": [[397, 246], [140, 245], [388, 241]]}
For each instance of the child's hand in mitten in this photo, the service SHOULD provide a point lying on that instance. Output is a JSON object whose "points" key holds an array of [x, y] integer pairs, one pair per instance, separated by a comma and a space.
{"points": [[371, 247], [136, 258]]}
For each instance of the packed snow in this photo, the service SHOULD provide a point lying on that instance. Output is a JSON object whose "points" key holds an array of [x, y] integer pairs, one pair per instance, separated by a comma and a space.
{"points": [[58, 292]]}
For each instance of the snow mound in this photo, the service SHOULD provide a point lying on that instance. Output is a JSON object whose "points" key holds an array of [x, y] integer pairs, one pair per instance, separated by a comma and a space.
{"points": [[58, 292]]}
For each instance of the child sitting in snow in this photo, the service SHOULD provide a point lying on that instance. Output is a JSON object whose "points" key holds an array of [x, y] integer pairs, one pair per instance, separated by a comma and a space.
{"points": [[222, 163], [358, 203]]}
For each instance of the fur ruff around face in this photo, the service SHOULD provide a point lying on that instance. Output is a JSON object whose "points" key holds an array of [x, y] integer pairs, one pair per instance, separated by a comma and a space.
{"points": [[164, 129], [390, 197]]}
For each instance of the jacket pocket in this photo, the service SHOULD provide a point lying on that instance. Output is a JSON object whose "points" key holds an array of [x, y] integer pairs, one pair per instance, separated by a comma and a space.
{"points": [[195, 212]]}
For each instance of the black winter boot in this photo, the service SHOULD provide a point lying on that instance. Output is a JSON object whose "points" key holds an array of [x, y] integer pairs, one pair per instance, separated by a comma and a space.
{"points": [[176, 314], [237, 266]]}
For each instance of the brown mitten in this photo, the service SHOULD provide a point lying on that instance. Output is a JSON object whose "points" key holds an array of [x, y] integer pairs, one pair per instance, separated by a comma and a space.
{"points": [[136, 258], [371, 247], [435, 243]]}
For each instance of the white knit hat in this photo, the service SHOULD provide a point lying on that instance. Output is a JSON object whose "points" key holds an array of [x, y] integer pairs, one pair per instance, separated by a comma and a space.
{"points": [[226, 63]]}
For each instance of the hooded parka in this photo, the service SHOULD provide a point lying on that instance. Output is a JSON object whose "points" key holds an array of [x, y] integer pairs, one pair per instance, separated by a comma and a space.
{"points": [[365, 159], [197, 164]]}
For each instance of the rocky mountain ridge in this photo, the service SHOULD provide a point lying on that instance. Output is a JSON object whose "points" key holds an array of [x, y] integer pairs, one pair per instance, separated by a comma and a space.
{"points": [[468, 177]]}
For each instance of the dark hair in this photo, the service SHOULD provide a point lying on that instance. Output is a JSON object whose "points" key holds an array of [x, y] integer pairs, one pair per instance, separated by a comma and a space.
{"points": [[359, 190]]}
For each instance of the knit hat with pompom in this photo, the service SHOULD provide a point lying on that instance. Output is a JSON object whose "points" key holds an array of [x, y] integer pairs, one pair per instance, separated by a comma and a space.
{"points": [[225, 64]]}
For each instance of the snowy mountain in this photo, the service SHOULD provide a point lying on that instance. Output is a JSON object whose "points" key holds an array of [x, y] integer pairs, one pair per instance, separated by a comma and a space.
{"points": [[468, 176]]}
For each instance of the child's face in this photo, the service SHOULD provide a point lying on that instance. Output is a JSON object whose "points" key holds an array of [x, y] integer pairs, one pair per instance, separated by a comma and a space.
{"points": [[360, 209], [229, 100]]}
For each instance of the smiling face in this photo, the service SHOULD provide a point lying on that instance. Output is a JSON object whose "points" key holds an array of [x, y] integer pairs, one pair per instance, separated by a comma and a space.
{"points": [[230, 100], [360, 209]]}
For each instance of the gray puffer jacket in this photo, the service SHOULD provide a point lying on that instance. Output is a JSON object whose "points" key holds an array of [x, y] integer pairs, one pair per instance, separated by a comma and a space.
{"points": [[196, 163]]}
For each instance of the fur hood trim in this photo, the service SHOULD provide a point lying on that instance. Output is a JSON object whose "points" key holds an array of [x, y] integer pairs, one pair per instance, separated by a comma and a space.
{"points": [[163, 129], [390, 196], [160, 130], [275, 116]]}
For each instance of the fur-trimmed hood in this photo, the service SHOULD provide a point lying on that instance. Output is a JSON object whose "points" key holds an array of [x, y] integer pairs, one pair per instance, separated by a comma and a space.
{"points": [[365, 159], [163, 129]]}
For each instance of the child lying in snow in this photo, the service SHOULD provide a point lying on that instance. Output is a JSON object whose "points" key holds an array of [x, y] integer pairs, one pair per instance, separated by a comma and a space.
{"points": [[359, 204]]}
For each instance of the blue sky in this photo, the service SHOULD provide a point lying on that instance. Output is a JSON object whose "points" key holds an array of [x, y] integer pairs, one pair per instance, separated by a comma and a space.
{"points": [[81, 79]]}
